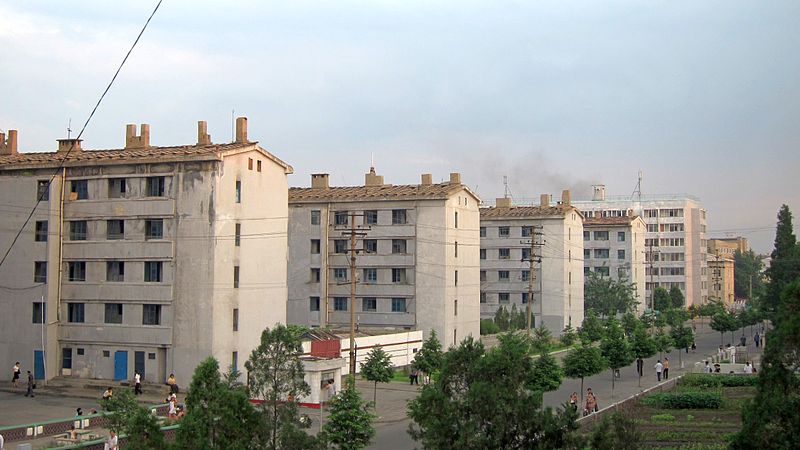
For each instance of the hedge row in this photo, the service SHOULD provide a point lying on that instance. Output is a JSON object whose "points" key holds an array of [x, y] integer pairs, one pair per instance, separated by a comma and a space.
{"points": [[708, 380], [684, 400]]}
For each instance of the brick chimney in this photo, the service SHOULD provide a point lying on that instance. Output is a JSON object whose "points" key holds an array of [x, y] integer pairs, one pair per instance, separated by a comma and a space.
{"points": [[373, 179], [203, 138], [8, 146], [427, 179], [241, 130], [134, 141], [544, 200], [455, 178], [566, 197], [503, 202], [69, 145], [319, 181]]}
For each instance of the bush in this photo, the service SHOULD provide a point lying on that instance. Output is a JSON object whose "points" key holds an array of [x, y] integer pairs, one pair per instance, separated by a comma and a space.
{"points": [[666, 417], [684, 400], [707, 380], [489, 327]]}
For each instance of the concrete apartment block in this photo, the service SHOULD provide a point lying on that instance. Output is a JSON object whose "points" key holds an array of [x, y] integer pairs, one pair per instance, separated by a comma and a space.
{"points": [[142, 258], [417, 265], [558, 288]]}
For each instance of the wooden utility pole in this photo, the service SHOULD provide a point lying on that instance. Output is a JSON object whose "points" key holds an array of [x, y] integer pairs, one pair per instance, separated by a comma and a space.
{"points": [[534, 258], [354, 232]]}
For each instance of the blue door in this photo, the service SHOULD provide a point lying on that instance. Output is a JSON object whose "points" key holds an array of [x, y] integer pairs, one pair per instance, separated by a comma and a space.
{"points": [[120, 365], [38, 364]]}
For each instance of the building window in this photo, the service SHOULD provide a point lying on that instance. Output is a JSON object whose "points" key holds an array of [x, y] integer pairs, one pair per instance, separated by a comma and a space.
{"points": [[237, 235], [113, 313], [620, 236], [398, 246], [79, 190], [370, 246], [340, 274], [238, 191], [504, 253], [106, 353], [152, 271], [116, 187], [504, 231], [154, 229], [483, 253], [601, 235], [455, 249], [43, 190], [586, 271], [398, 305], [66, 358], [235, 363], [370, 275], [258, 166], [235, 277], [340, 246], [455, 307], [398, 275], [115, 271], [41, 231], [340, 218], [315, 244], [503, 297], [313, 303], [315, 275], [77, 230], [77, 271], [587, 253], [370, 217], [155, 187], [586, 235], [369, 304], [249, 163], [483, 232], [524, 298], [151, 314], [456, 220], [483, 297], [115, 229], [40, 272], [620, 254], [340, 303], [527, 231], [602, 270], [398, 216], [455, 278], [235, 319], [315, 214], [502, 275], [525, 275], [483, 275], [526, 254], [38, 312], [75, 312], [601, 253]]}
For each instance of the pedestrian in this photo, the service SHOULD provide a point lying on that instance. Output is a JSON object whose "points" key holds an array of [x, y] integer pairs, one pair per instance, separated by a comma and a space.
{"points": [[640, 366], [748, 368], [665, 370], [108, 393], [591, 403], [573, 400], [659, 367], [137, 383], [73, 433], [78, 412], [733, 354], [173, 408], [112, 443], [414, 376], [707, 368], [694, 346], [757, 339], [15, 371], [31, 385], [173, 384]]}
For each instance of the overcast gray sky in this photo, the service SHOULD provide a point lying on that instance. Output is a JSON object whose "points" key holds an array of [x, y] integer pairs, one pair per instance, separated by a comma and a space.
{"points": [[702, 96]]}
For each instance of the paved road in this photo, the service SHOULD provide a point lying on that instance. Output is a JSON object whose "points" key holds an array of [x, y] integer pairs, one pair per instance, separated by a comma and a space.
{"points": [[18, 409]]}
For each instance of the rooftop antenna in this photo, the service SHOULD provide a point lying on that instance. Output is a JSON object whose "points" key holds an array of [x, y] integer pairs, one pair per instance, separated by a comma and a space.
{"points": [[69, 128], [507, 191], [637, 191], [372, 160]]}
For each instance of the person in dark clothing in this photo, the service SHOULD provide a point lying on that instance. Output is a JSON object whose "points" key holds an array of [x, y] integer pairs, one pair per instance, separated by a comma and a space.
{"points": [[31, 385], [640, 366]]}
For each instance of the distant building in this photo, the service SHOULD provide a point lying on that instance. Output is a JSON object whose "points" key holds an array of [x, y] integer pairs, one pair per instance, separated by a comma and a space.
{"points": [[727, 247], [506, 232], [417, 261], [721, 279], [614, 247], [675, 241], [141, 258]]}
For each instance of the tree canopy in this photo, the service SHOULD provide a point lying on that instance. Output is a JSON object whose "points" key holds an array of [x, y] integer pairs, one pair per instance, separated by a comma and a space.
{"points": [[608, 296], [661, 299], [676, 297], [748, 268], [429, 357], [784, 263], [377, 368], [591, 330], [583, 361], [349, 425]]}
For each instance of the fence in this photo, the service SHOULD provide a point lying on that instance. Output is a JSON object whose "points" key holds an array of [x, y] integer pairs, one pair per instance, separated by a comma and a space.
{"points": [[591, 419]]}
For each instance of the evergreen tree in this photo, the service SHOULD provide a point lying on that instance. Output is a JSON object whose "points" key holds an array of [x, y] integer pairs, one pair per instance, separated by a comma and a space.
{"points": [[429, 358], [135, 421], [615, 349], [591, 330], [583, 361], [661, 299], [568, 336], [784, 263], [629, 323], [378, 369], [608, 296], [349, 425], [748, 275], [541, 339], [546, 374], [676, 297], [502, 318]]}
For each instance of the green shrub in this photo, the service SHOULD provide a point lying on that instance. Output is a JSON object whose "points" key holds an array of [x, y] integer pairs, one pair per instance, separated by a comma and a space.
{"points": [[707, 380], [489, 327], [689, 417], [666, 417], [684, 400]]}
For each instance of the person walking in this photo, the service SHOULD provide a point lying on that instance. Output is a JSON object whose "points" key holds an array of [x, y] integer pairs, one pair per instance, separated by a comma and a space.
{"points": [[708, 368], [665, 371], [640, 366], [31, 385], [113, 442], [15, 371], [137, 383], [573, 400], [659, 367], [757, 339]]}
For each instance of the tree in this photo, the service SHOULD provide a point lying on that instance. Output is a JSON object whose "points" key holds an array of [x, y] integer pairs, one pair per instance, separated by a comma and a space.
{"points": [[502, 318], [642, 345], [629, 323], [676, 317], [784, 264], [663, 342], [583, 361], [676, 297], [591, 330], [748, 275], [489, 327], [276, 377], [661, 299], [517, 320], [219, 413], [546, 374], [540, 341], [723, 322], [135, 421], [486, 400], [682, 337], [568, 336], [770, 420], [615, 349], [608, 296], [378, 369], [429, 357], [349, 425], [616, 431]]}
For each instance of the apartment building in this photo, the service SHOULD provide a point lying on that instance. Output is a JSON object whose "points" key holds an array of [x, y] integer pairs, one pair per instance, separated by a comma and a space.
{"points": [[141, 258], [721, 279], [416, 262], [614, 247], [675, 240], [557, 233], [727, 247]]}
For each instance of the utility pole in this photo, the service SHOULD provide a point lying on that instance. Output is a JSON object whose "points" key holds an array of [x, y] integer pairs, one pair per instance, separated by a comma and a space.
{"points": [[651, 258], [354, 232], [534, 258]]}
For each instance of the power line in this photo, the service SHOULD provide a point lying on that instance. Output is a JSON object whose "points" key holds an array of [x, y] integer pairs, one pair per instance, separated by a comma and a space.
{"points": [[72, 146]]}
